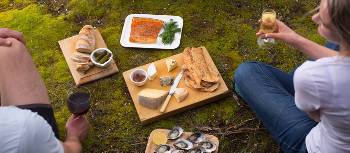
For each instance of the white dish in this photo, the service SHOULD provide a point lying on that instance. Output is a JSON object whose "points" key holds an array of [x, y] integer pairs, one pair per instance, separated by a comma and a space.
{"points": [[138, 72], [124, 40], [102, 65]]}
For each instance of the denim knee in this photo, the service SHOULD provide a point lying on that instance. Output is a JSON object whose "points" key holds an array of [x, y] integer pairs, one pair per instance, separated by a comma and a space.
{"points": [[243, 72], [246, 69]]}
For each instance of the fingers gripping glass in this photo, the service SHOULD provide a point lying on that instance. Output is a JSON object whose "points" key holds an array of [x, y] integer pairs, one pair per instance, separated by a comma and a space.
{"points": [[267, 25], [78, 100]]}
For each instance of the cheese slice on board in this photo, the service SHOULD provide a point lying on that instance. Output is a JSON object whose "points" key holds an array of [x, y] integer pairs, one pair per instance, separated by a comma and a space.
{"points": [[170, 64], [180, 94], [152, 98], [152, 71]]}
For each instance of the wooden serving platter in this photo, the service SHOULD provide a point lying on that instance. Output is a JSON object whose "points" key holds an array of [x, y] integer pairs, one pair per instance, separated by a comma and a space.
{"points": [[151, 146], [195, 98], [95, 73]]}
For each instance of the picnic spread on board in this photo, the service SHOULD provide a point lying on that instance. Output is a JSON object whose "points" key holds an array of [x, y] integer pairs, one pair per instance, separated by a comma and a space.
{"points": [[158, 89], [176, 140], [81, 52]]}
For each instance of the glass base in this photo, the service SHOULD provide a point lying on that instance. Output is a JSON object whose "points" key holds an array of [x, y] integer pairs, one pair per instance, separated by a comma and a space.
{"points": [[262, 41]]}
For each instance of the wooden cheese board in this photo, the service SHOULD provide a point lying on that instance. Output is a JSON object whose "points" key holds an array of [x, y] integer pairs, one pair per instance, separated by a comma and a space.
{"points": [[95, 73], [195, 97], [151, 146]]}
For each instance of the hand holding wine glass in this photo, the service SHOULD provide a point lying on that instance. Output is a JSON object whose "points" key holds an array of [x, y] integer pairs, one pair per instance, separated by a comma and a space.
{"points": [[282, 32], [267, 25], [78, 103]]}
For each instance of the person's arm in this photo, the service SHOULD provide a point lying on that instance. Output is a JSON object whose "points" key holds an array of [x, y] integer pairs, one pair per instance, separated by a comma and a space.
{"points": [[77, 129], [72, 145], [308, 47], [311, 49]]}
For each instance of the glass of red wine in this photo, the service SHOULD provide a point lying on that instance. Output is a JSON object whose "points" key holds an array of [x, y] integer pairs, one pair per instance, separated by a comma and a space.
{"points": [[78, 100]]}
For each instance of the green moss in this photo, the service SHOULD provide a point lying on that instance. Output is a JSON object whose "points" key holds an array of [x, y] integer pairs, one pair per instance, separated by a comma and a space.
{"points": [[85, 8], [12, 4], [226, 28], [110, 34]]}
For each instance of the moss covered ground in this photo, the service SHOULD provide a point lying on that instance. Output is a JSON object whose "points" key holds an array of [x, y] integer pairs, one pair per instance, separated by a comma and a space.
{"points": [[226, 27]]}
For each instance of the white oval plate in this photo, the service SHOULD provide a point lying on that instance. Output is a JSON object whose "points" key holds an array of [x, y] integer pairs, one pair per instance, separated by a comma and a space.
{"points": [[124, 40]]}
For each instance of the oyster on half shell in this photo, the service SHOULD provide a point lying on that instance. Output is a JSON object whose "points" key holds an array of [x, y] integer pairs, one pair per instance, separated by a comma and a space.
{"points": [[197, 150], [183, 144], [196, 137], [175, 133], [178, 151], [208, 146], [163, 148]]}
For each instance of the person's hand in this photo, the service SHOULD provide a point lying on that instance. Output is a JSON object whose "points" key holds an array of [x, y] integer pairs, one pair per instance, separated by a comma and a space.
{"points": [[7, 33], [77, 127], [283, 33]]}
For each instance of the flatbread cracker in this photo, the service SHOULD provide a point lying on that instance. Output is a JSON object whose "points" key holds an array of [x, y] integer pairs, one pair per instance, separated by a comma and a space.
{"points": [[198, 73]]}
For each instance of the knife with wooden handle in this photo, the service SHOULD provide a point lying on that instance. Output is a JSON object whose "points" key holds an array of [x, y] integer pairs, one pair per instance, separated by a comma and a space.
{"points": [[172, 91]]}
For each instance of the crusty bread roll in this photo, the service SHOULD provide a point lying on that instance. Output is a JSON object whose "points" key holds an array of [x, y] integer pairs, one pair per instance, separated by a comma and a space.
{"points": [[86, 40]]}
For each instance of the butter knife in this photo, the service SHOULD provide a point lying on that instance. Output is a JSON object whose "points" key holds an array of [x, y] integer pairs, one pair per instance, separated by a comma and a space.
{"points": [[172, 91]]}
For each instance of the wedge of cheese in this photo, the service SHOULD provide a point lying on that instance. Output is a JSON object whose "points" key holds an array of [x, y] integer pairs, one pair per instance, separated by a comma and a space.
{"points": [[170, 64], [180, 94], [152, 98], [152, 71]]}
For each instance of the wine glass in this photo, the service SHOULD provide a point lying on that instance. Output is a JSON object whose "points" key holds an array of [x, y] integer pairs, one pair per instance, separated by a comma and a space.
{"points": [[78, 100], [267, 25]]}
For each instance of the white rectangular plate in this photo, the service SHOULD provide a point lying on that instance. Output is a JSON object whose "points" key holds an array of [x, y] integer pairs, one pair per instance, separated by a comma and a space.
{"points": [[124, 40]]}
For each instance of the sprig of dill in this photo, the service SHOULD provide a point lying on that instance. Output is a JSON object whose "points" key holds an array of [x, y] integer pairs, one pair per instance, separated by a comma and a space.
{"points": [[170, 29]]}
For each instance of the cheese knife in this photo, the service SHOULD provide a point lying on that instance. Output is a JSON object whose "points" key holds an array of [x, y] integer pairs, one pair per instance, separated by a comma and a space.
{"points": [[172, 91]]}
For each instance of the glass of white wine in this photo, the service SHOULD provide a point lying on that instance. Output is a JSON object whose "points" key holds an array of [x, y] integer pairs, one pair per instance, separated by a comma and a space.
{"points": [[267, 25]]}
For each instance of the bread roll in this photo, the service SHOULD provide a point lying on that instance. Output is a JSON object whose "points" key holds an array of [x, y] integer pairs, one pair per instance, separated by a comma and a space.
{"points": [[86, 40]]}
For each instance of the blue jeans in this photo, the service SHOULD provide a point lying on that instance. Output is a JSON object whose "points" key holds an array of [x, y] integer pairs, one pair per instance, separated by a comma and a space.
{"points": [[269, 92]]}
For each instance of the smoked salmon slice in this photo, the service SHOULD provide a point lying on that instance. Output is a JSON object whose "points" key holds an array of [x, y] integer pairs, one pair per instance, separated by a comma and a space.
{"points": [[145, 30]]}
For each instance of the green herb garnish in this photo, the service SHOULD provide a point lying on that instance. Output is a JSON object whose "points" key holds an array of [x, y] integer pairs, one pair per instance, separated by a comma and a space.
{"points": [[168, 34]]}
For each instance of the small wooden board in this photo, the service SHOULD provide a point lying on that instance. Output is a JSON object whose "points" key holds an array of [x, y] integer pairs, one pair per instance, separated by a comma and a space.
{"points": [[195, 98], [151, 146], [95, 73]]}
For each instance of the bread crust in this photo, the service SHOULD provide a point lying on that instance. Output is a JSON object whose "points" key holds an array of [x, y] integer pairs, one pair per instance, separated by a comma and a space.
{"points": [[198, 73], [86, 40]]}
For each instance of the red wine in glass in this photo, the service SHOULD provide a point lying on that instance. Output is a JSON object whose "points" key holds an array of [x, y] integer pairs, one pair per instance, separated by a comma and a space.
{"points": [[78, 102]]}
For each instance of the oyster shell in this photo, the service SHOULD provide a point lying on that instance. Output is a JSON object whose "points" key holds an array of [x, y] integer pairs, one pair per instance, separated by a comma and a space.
{"points": [[183, 144], [208, 146], [163, 148], [196, 137], [178, 151], [197, 150], [175, 133]]}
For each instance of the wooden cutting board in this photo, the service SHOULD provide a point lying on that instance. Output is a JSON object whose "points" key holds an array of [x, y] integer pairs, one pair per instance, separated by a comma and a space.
{"points": [[195, 98], [95, 73], [151, 146]]}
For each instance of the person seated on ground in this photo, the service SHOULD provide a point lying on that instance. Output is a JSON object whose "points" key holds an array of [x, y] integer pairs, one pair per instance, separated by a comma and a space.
{"points": [[27, 123], [308, 110]]}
